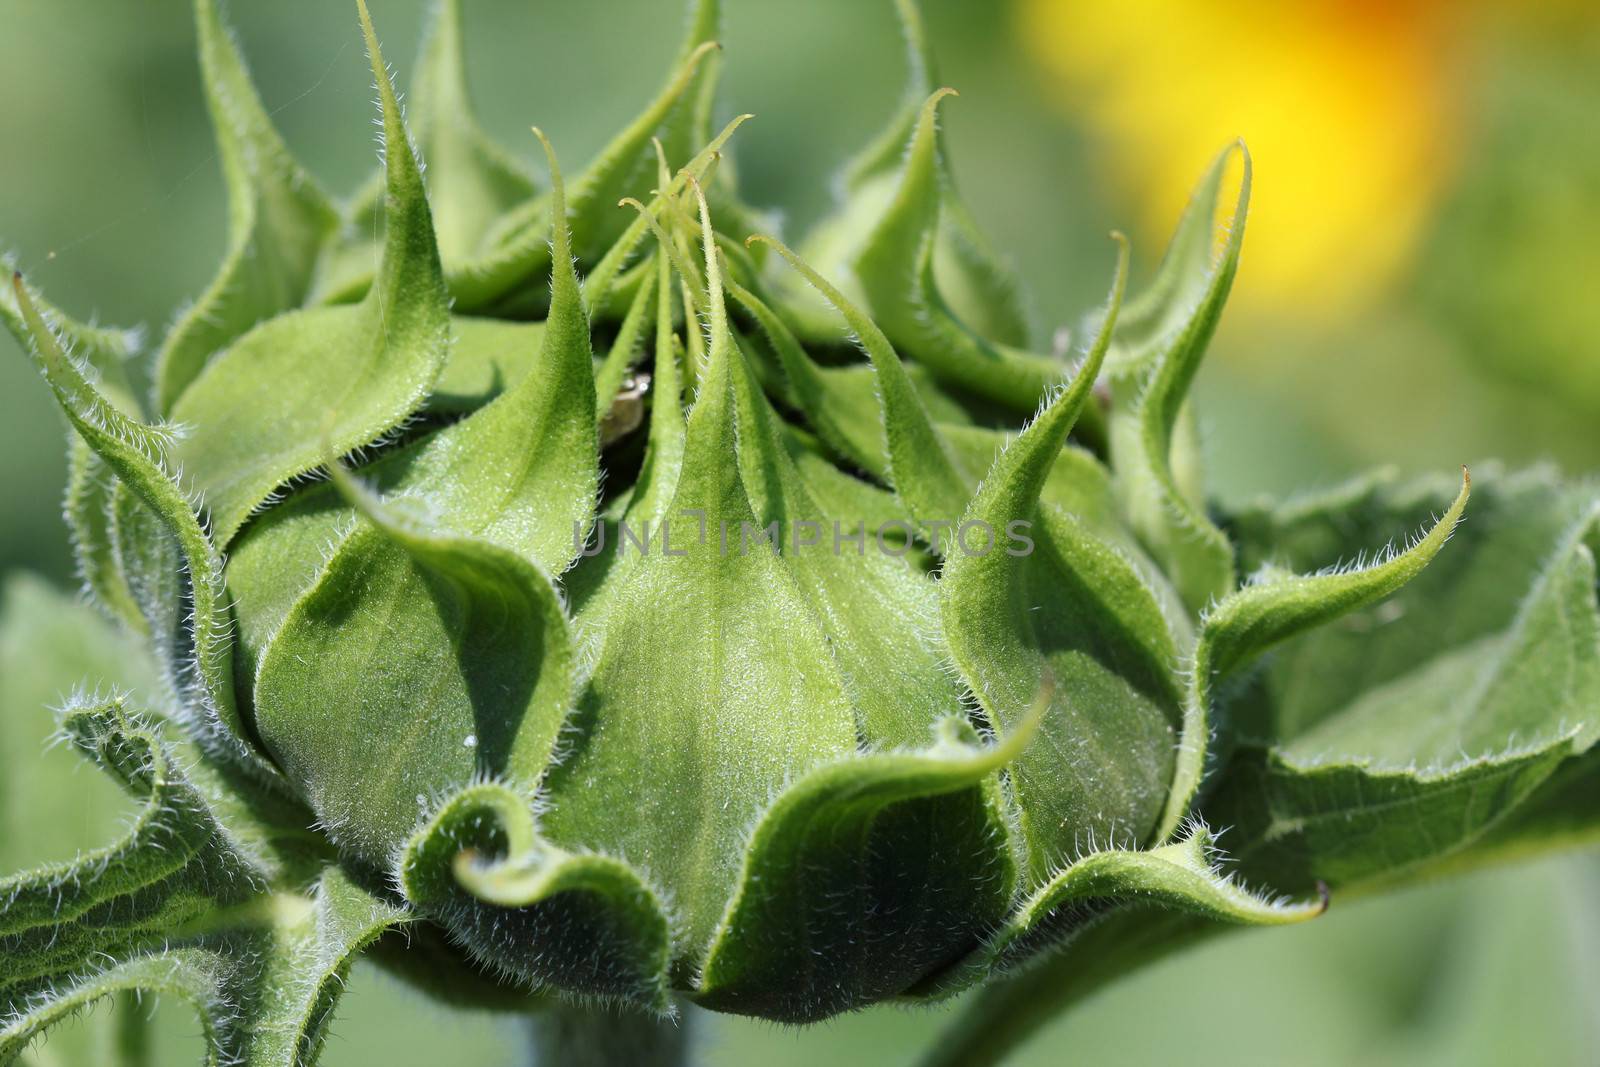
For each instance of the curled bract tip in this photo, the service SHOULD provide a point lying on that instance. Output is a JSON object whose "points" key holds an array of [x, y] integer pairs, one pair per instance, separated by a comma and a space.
{"points": [[931, 106]]}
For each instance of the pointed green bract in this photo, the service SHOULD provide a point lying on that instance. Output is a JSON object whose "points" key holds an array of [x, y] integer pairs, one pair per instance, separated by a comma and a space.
{"points": [[408, 616], [594, 580], [278, 220], [349, 375], [895, 269], [611, 374], [137, 453], [1035, 588], [967, 277], [518, 246], [927, 478], [866, 600], [845, 417], [149, 560], [471, 180], [460, 583], [1173, 326], [1183, 876], [87, 508], [103, 354], [524, 470]]}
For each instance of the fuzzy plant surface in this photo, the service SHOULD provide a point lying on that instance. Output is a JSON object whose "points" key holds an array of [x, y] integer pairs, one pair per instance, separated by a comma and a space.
{"points": [[592, 608]]}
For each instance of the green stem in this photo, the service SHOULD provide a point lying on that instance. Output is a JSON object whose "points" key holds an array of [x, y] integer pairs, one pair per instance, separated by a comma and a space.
{"points": [[132, 1032], [1007, 1012], [569, 1035]]}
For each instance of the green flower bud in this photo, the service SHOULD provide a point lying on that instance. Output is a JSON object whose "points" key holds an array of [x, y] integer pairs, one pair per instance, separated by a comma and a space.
{"points": [[535, 564]]}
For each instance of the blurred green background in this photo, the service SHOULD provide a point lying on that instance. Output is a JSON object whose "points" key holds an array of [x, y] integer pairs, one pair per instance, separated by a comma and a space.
{"points": [[1419, 288]]}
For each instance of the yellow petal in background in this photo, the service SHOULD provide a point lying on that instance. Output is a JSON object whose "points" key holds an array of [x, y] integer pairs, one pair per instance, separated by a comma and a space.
{"points": [[1345, 107]]}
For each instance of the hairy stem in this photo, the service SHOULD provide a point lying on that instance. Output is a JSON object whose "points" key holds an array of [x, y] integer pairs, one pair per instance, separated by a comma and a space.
{"points": [[1006, 1013], [569, 1035]]}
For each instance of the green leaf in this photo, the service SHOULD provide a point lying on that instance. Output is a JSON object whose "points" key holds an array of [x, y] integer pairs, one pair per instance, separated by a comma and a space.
{"points": [[1274, 608], [581, 921], [263, 983], [347, 374], [1051, 594], [866, 876], [278, 220], [1563, 812], [1154, 363], [192, 975], [1368, 749], [138, 454], [176, 863]]}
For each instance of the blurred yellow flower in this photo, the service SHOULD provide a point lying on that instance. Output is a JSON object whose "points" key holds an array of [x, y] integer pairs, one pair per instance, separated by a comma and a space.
{"points": [[1346, 109]]}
